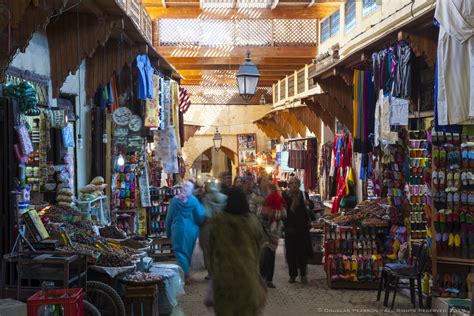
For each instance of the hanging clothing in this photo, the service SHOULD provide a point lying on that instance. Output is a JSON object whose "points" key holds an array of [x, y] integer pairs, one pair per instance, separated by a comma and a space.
{"points": [[455, 62], [438, 127], [145, 74], [182, 225], [311, 161], [399, 111], [402, 72]]}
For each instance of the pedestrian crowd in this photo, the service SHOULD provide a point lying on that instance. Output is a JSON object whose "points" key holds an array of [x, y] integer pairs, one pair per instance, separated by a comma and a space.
{"points": [[239, 226]]}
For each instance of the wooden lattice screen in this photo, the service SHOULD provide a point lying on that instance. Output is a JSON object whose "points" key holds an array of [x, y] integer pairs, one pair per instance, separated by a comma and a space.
{"points": [[311, 73], [220, 94], [283, 90], [245, 32], [291, 86], [300, 81]]}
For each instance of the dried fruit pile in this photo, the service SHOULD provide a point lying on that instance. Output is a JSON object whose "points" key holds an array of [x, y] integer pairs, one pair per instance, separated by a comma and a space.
{"points": [[112, 232], [142, 277], [367, 213]]}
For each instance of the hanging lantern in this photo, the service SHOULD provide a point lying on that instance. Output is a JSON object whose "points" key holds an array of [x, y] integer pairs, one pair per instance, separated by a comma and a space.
{"points": [[217, 139], [247, 78]]}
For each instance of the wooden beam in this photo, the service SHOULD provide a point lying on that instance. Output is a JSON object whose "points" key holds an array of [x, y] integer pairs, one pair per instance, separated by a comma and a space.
{"points": [[263, 72], [273, 67], [198, 82], [297, 62], [240, 52], [317, 11]]}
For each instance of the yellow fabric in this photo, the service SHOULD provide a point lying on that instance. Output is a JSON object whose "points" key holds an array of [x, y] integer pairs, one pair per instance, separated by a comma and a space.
{"points": [[175, 108], [349, 180], [355, 103]]}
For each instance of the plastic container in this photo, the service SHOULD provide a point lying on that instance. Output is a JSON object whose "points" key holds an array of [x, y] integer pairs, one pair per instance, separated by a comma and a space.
{"points": [[72, 301]]}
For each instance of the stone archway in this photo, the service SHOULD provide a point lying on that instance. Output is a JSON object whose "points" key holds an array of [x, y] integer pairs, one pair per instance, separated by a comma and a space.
{"points": [[198, 144]]}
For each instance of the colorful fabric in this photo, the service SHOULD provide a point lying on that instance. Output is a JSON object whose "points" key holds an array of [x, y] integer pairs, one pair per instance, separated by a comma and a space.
{"points": [[184, 101], [152, 109]]}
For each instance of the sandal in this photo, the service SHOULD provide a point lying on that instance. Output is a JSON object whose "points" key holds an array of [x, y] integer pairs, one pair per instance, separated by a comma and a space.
{"points": [[355, 268], [442, 158]]}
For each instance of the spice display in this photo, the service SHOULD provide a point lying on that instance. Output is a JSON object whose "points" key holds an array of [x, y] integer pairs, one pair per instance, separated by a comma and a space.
{"points": [[57, 213], [83, 249], [135, 244], [142, 277], [369, 213], [115, 259], [112, 232]]}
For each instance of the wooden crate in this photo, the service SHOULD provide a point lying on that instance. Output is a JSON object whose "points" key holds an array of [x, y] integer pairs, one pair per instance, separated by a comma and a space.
{"points": [[141, 300]]}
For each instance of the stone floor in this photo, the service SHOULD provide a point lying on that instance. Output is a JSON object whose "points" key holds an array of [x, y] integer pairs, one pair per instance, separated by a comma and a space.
{"points": [[296, 299]]}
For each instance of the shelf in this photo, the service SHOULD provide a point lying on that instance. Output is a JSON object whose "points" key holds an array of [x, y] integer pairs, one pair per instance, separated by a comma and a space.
{"points": [[451, 260]]}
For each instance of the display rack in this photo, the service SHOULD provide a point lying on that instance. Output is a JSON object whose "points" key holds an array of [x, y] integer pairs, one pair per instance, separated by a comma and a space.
{"points": [[452, 207], [349, 253], [419, 186]]}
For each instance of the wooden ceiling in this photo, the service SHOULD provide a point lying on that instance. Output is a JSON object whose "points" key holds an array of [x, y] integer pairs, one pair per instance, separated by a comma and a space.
{"points": [[197, 63]]}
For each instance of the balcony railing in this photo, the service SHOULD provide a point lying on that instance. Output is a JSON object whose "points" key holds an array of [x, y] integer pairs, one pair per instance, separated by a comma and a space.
{"points": [[297, 85]]}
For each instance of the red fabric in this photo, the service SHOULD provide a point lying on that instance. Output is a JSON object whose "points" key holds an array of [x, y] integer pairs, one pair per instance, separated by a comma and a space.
{"points": [[275, 201], [345, 161]]}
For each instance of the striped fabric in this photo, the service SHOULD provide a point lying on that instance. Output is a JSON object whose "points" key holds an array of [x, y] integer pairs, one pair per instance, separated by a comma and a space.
{"points": [[184, 101]]}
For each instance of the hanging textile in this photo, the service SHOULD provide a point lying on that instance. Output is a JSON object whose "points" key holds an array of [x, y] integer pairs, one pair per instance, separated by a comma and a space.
{"points": [[342, 153], [115, 93], [166, 149], [364, 108], [175, 109], [324, 169], [455, 62], [311, 161], [184, 101], [152, 109]]}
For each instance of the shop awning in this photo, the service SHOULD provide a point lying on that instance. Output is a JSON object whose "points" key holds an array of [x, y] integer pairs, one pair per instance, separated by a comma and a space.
{"points": [[101, 24], [190, 130], [291, 121]]}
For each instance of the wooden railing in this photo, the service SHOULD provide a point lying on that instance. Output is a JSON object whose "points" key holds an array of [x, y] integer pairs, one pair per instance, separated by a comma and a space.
{"points": [[294, 86], [139, 15]]}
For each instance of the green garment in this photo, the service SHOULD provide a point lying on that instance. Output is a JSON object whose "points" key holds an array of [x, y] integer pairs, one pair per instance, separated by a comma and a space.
{"points": [[213, 202], [235, 243]]}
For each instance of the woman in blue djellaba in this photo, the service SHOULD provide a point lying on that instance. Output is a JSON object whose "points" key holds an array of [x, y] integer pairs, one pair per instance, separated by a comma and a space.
{"points": [[185, 215]]}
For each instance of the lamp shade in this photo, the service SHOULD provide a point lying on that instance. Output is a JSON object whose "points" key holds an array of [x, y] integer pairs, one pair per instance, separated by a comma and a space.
{"points": [[247, 79], [217, 139]]}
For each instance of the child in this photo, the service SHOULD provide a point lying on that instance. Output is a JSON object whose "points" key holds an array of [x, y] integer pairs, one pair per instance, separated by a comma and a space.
{"points": [[274, 207]]}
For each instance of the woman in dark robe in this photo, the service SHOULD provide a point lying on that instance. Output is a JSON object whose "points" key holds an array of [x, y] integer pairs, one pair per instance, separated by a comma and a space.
{"points": [[297, 225]]}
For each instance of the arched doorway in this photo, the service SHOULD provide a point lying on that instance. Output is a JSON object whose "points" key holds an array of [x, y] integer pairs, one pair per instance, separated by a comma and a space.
{"points": [[210, 163]]}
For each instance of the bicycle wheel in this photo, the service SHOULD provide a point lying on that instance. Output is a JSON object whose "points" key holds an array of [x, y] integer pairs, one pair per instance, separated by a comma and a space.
{"points": [[90, 310], [105, 299]]}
